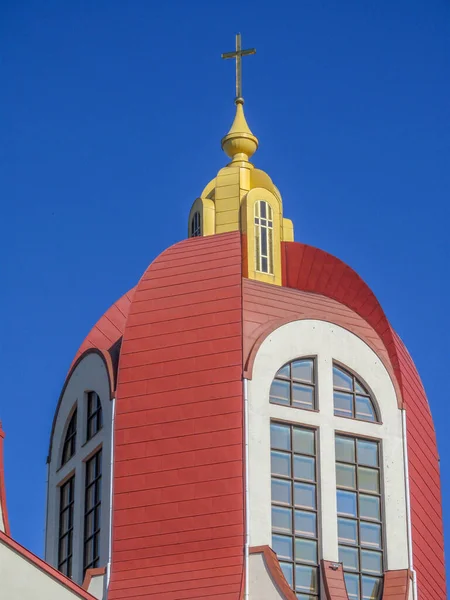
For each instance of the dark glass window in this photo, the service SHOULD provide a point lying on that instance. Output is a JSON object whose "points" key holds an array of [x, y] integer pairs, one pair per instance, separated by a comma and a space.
{"points": [[294, 506], [70, 440], [196, 227], [65, 538], [263, 237], [294, 384], [94, 414], [359, 507], [351, 398], [92, 511]]}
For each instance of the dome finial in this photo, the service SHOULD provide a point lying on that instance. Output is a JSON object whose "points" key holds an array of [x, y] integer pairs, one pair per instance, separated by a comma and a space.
{"points": [[239, 143]]}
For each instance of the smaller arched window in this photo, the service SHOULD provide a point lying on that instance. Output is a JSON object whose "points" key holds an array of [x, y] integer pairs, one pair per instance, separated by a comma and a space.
{"points": [[70, 440], [94, 415], [263, 237], [196, 227], [351, 398], [295, 385]]}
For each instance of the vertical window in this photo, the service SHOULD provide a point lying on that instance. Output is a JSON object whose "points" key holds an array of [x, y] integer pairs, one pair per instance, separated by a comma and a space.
{"points": [[359, 516], [92, 511], [294, 385], [65, 538], [263, 237], [351, 399], [94, 414], [70, 440], [294, 507], [196, 228]]}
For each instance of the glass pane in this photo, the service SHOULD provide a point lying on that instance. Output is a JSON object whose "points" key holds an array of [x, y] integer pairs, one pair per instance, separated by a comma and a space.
{"points": [[282, 519], [281, 463], [345, 449], [305, 578], [360, 389], [305, 523], [305, 495], [305, 597], [370, 534], [343, 404], [303, 441], [281, 491], [368, 480], [341, 379], [264, 263], [303, 370], [306, 551], [346, 503], [263, 209], [370, 588], [346, 475], [280, 436], [284, 372], [371, 562], [369, 507], [367, 453], [348, 531], [282, 546], [349, 558], [302, 396], [280, 392], [263, 241], [364, 409], [352, 585], [288, 572], [305, 467]]}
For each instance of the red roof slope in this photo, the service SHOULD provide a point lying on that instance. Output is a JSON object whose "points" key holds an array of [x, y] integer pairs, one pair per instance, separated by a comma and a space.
{"points": [[178, 514]]}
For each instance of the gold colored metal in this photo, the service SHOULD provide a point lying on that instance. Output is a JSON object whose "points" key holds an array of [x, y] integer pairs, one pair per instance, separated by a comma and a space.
{"points": [[238, 54]]}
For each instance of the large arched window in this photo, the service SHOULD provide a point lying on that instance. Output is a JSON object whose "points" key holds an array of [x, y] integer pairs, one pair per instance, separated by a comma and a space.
{"points": [[196, 227], [263, 237], [70, 440], [294, 385], [351, 398]]}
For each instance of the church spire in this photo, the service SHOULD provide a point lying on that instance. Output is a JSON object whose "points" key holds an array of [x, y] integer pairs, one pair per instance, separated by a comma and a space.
{"points": [[239, 143]]}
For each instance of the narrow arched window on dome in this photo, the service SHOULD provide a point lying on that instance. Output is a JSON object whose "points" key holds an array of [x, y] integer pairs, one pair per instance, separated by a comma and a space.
{"points": [[294, 384], [94, 415], [351, 397], [196, 227], [263, 237], [70, 440]]}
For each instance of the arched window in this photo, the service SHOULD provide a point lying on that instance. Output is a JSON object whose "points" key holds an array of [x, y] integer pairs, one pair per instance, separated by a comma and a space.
{"points": [[351, 398], [70, 440], [196, 227], [263, 237], [359, 510], [294, 385], [94, 415]]}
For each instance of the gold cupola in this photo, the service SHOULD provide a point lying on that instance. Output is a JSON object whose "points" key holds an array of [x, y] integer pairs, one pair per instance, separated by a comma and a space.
{"points": [[244, 198]]}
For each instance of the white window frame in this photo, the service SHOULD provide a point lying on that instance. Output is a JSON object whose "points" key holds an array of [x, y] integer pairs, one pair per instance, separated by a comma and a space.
{"points": [[329, 343]]}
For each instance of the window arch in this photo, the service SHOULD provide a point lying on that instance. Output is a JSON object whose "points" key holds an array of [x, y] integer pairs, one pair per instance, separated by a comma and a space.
{"points": [[351, 397], [70, 440], [196, 226], [263, 237], [295, 384]]}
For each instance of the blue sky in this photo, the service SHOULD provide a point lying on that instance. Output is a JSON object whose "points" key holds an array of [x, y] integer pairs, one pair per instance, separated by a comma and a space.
{"points": [[111, 119]]}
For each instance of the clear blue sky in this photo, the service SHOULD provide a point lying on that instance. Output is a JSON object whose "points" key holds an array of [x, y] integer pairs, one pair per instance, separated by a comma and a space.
{"points": [[111, 115]]}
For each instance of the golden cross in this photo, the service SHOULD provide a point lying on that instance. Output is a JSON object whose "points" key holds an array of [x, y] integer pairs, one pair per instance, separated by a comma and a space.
{"points": [[238, 54]]}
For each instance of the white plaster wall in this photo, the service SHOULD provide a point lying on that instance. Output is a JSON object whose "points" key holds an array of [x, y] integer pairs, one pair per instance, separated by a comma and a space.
{"points": [[261, 583], [97, 586], [328, 342], [21, 579], [90, 375]]}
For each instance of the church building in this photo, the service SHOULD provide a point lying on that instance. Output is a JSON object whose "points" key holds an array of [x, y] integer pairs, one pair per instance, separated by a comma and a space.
{"points": [[243, 424]]}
